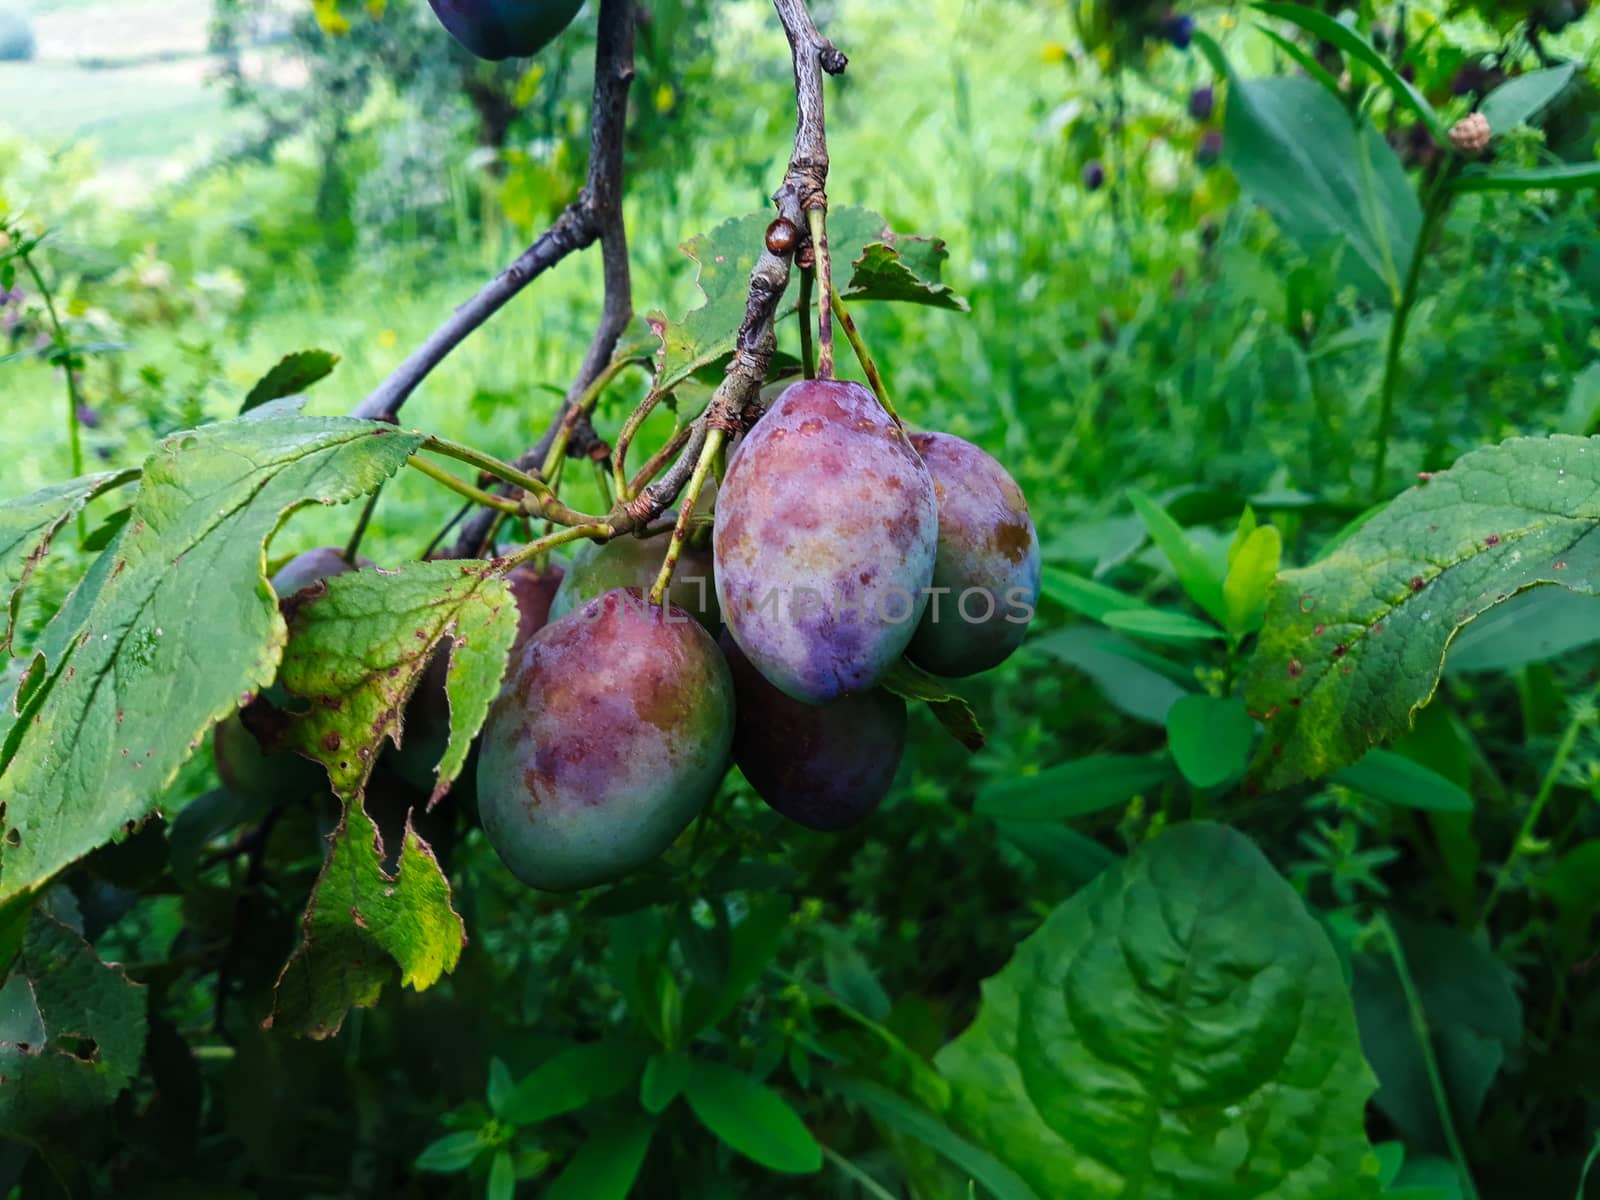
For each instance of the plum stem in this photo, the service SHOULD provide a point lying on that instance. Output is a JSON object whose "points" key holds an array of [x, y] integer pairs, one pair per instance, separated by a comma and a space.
{"points": [[353, 546], [864, 356], [686, 503], [808, 349], [580, 411], [599, 532], [462, 488], [818, 220]]}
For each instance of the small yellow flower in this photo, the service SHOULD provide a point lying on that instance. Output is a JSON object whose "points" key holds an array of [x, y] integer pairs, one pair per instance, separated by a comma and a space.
{"points": [[1227, 21], [1053, 52], [387, 339], [665, 98]]}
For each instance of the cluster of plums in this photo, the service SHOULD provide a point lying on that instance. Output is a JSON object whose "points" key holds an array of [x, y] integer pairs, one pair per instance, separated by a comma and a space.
{"points": [[841, 544]]}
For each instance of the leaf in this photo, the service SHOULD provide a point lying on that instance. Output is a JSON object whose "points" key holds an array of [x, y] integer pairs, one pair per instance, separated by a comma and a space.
{"points": [[910, 682], [360, 924], [1517, 101], [98, 538], [1568, 177], [851, 977], [27, 526], [1126, 677], [1159, 625], [500, 1086], [1327, 181], [72, 1030], [908, 1118], [607, 1165], [905, 269], [173, 624], [292, 374], [1248, 585], [751, 1118], [1060, 851], [1396, 779], [1072, 789], [1582, 414], [664, 1078], [1198, 577], [1084, 596], [1210, 739], [574, 1079], [502, 1176], [451, 1153], [1354, 644], [1538, 625], [1327, 29], [360, 642], [1179, 1028]]}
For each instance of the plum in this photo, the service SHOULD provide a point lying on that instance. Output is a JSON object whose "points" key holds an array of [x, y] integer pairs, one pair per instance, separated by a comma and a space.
{"points": [[824, 767], [534, 591], [825, 539], [598, 567], [496, 29], [312, 566], [609, 737], [986, 576]]}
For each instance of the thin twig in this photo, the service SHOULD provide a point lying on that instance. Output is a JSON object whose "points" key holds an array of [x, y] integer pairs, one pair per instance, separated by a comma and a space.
{"points": [[818, 218], [353, 546], [462, 488]]}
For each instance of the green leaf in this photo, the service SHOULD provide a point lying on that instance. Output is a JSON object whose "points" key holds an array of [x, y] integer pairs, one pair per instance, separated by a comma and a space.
{"points": [[1252, 568], [1134, 681], [1582, 415], [1354, 644], [1073, 789], [1538, 625], [1517, 101], [72, 1030], [752, 1119], [292, 374], [359, 644], [1568, 177], [912, 1120], [1396, 779], [851, 978], [27, 526], [98, 538], [910, 682], [902, 268], [361, 923], [1085, 596], [1210, 739], [1159, 625], [607, 1165], [754, 943], [1328, 181], [451, 1153], [1195, 572], [173, 624], [1325, 28], [665, 1076], [1179, 1028], [1062, 852], [574, 1079], [201, 822], [500, 1086], [502, 1176]]}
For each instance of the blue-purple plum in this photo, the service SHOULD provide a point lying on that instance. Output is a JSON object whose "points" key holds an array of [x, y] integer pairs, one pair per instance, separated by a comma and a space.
{"points": [[497, 29], [986, 575], [630, 562], [825, 539], [312, 566], [610, 735], [823, 766]]}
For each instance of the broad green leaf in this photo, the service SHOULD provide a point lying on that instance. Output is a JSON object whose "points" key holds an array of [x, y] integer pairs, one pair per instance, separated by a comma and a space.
{"points": [[1354, 644], [754, 943], [1073, 789], [1350, 41], [901, 268], [1132, 680], [1062, 852], [1568, 177], [291, 375], [1538, 625], [574, 1078], [1582, 415], [1179, 1028], [27, 526], [1519, 100], [362, 924], [911, 682], [500, 1086], [851, 977], [1327, 181], [1251, 571], [1195, 572], [171, 628], [502, 1176], [359, 645], [912, 1120], [1210, 739], [451, 1153], [664, 1078], [1159, 625], [1085, 596], [72, 1030], [752, 1119], [1396, 779], [607, 1165]]}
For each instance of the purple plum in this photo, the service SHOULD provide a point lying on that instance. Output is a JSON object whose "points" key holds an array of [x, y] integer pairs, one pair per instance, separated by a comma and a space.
{"points": [[611, 734], [825, 539], [598, 567], [497, 29], [825, 767], [986, 576]]}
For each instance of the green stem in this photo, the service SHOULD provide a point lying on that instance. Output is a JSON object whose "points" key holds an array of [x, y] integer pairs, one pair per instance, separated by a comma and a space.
{"points": [[1582, 715], [353, 547], [630, 430], [853, 336], [808, 346], [818, 220], [462, 488], [584, 405], [1419, 1027], [58, 335], [1440, 196], [852, 1172], [488, 463], [686, 502], [551, 540]]}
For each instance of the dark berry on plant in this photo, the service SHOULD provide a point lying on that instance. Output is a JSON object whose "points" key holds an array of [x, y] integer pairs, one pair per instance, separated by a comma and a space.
{"points": [[1094, 175], [1179, 30], [496, 29], [1202, 103], [1210, 149]]}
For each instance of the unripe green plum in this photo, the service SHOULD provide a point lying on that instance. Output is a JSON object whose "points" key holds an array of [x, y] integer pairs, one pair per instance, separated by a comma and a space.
{"points": [[630, 562], [496, 29], [609, 737], [825, 539], [986, 575], [825, 767]]}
